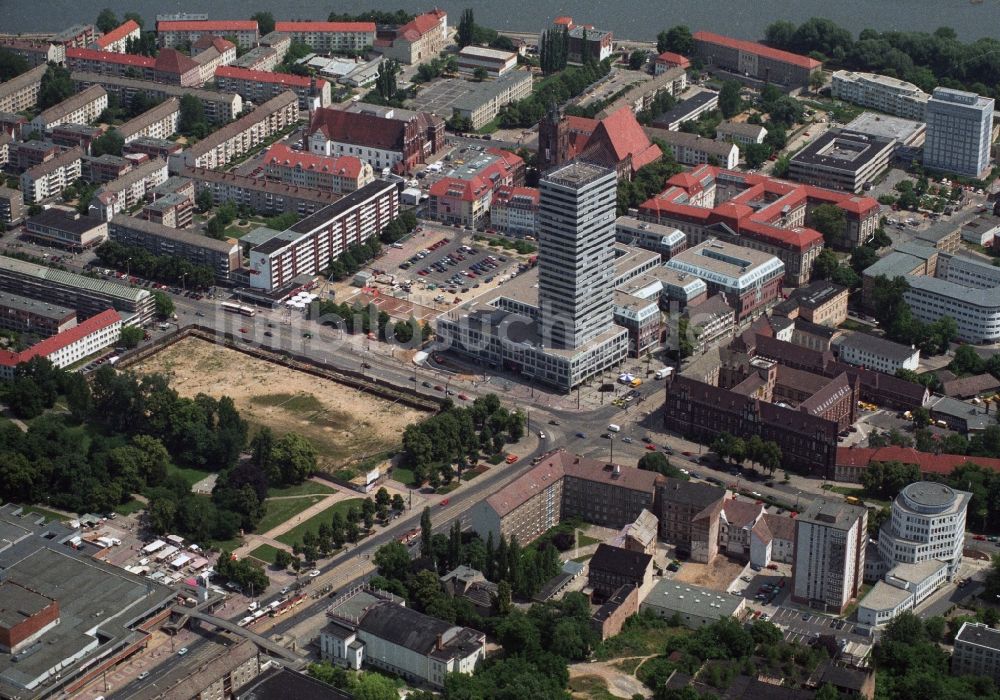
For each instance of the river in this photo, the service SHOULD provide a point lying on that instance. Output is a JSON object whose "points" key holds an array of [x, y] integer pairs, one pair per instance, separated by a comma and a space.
{"points": [[631, 19]]}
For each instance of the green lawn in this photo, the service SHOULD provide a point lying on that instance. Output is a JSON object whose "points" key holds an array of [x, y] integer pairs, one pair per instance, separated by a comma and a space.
{"points": [[264, 553], [637, 639], [191, 476], [129, 507], [306, 488], [585, 557], [226, 545], [49, 515], [583, 540], [592, 687], [312, 524], [852, 325], [403, 475], [278, 511]]}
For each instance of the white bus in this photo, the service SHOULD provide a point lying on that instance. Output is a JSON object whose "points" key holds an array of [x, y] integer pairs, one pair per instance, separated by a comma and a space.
{"points": [[233, 308]]}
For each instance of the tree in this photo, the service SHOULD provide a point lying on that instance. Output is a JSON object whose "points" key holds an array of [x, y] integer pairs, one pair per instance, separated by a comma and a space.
{"points": [[637, 59], [825, 265], [110, 142], [730, 101], [192, 115], [756, 153], [204, 200], [392, 560], [677, 39], [398, 503], [56, 86], [480, 74], [425, 532], [282, 559], [265, 22], [862, 258], [293, 459], [374, 686], [11, 65], [816, 80], [164, 304], [829, 220], [466, 28], [131, 336], [966, 361], [106, 20]]}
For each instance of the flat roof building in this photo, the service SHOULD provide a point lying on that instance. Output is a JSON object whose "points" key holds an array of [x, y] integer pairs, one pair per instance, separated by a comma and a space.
{"points": [[976, 651], [222, 257], [695, 605], [959, 132], [687, 110], [829, 564], [35, 317], [889, 95], [493, 61], [479, 103], [67, 229], [844, 160]]}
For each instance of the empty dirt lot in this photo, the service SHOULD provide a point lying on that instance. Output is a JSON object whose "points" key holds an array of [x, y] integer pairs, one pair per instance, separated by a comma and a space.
{"points": [[344, 424]]}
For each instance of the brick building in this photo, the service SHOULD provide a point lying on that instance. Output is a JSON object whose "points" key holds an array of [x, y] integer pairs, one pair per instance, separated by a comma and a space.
{"points": [[222, 256], [689, 517], [616, 141], [613, 567], [749, 61]]}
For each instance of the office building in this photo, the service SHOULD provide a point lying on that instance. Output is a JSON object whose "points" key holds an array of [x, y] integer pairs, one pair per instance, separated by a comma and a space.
{"points": [[222, 256], [20, 93], [125, 192], [11, 206], [696, 606], [688, 109], [641, 318], [907, 134], [692, 149], [877, 353], [371, 628], [88, 295], [843, 160], [170, 33], [335, 174], [310, 245], [830, 540], [260, 86], [66, 229], [665, 240], [976, 651], [880, 92], [689, 517], [43, 319], [418, 41], [219, 107], [904, 587], [959, 132], [50, 178], [749, 61], [330, 37], [246, 133], [82, 108]]}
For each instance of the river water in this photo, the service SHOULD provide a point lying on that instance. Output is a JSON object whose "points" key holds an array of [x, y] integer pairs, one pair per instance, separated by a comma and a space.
{"points": [[633, 19]]}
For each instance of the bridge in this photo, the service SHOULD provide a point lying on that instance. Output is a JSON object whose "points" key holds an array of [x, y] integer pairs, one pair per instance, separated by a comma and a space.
{"points": [[294, 660]]}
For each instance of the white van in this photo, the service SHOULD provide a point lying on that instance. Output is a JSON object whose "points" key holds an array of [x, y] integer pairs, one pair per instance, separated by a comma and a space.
{"points": [[613, 428]]}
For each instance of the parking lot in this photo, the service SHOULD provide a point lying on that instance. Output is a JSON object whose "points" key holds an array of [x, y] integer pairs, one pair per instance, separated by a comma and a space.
{"points": [[804, 627]]}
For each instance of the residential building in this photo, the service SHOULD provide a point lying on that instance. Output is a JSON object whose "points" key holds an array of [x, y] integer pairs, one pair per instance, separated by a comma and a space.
{"points": [[260, 86], [20, 93], [11, 206], [152, 147], [212, 53], [50, 178], [526, 507], [587, 43], [460, 202], [219, 107], [222, 256], [337, 174], [28, 154], [173, 210], [667, 60], [70, 346], [641, 318], [222, 668], [852, 462], [477, 103], [750, 279], [613, 567], [310, 245], [124, 193], [750, 61], [606, 494], [643, 94], [371, 628], [38, 318], [66, 229], [688, 109], [170, 33], [493, 61], [665, 240], [105, 168], [712, 318], [70, 135], [959, 132], [742, 133], [36, 53], [689, 517], [830, 541], [246, 133], [616, 141], [77, 35], [877, 353], [117, 39], [880, 92], [976, 651], [514, 210], [110, 63], [330, 37], [262, 196], [696, 606], [158, 122], [470, 584], [843, 160], [759, 212], [12, 124], [383, 138], [82, 108], [823, 303], [692, 149], [89, 296], [262, 58], [639, 535], [420, 40], [608, 620]]}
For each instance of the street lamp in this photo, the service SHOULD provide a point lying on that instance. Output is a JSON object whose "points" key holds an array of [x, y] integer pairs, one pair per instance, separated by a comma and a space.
{"points": [[611, 439]]}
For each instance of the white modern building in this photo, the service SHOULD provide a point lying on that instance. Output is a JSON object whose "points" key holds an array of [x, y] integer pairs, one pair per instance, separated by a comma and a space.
{"points": [[959, 132], [965, 289], [905, 587], [880, 92], [864, 350], [493, 61], [829, 563], [660, 238]]}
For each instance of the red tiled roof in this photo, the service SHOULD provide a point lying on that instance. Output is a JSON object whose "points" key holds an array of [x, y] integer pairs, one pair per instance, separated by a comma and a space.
{"points": [[741, 513], [207, 26], [61, 340], [626, 137], [455, 188], [324, 27], [564, 20], [212, 41], [421, 24], [781, 527], [758, 49], [173, 61], [927, 463], [505, 193], [357, 128], [116, 34], [109, 57], [263, 76], [674, 59], [281, 155]]}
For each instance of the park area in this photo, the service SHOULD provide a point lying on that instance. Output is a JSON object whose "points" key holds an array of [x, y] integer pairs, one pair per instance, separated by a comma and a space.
{"points": [[345, 425]]}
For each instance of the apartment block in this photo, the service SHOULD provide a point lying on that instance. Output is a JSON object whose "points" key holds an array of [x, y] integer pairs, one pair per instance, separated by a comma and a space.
{"points": [[262, 196], [105, 168], [613, 567], [689, 517], [880, 92], [222, 256], [24, 315], [36, 53], [66, 229], [82, 108], [170, 33], [11, 206], [126, 192], [72, 345], [153, 147], [116, 41], [219, 107], [173, 210], [246, 133], [50, 178], [692, 149], [260, 86], [330, 37], [830, 542], [212, 53], [159, 122], [70, 135], [514, 210], [336, 174], [20, 93]]}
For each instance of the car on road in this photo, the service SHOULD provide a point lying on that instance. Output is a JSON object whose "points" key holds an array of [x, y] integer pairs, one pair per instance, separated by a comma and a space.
{"points": [[307, 335], [244, 330], [268, 334], [627, 440], [581, 435], [314, 573], [647, 439], [651, 447], [425, 384], [365, 365], [748, 579], [686, 453], [464, 397], [284, 590], [144, 674], [444, 502], [541, 435], [199, 313], [182, 651], [979, 538], [438, 387], [553, 422]]}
